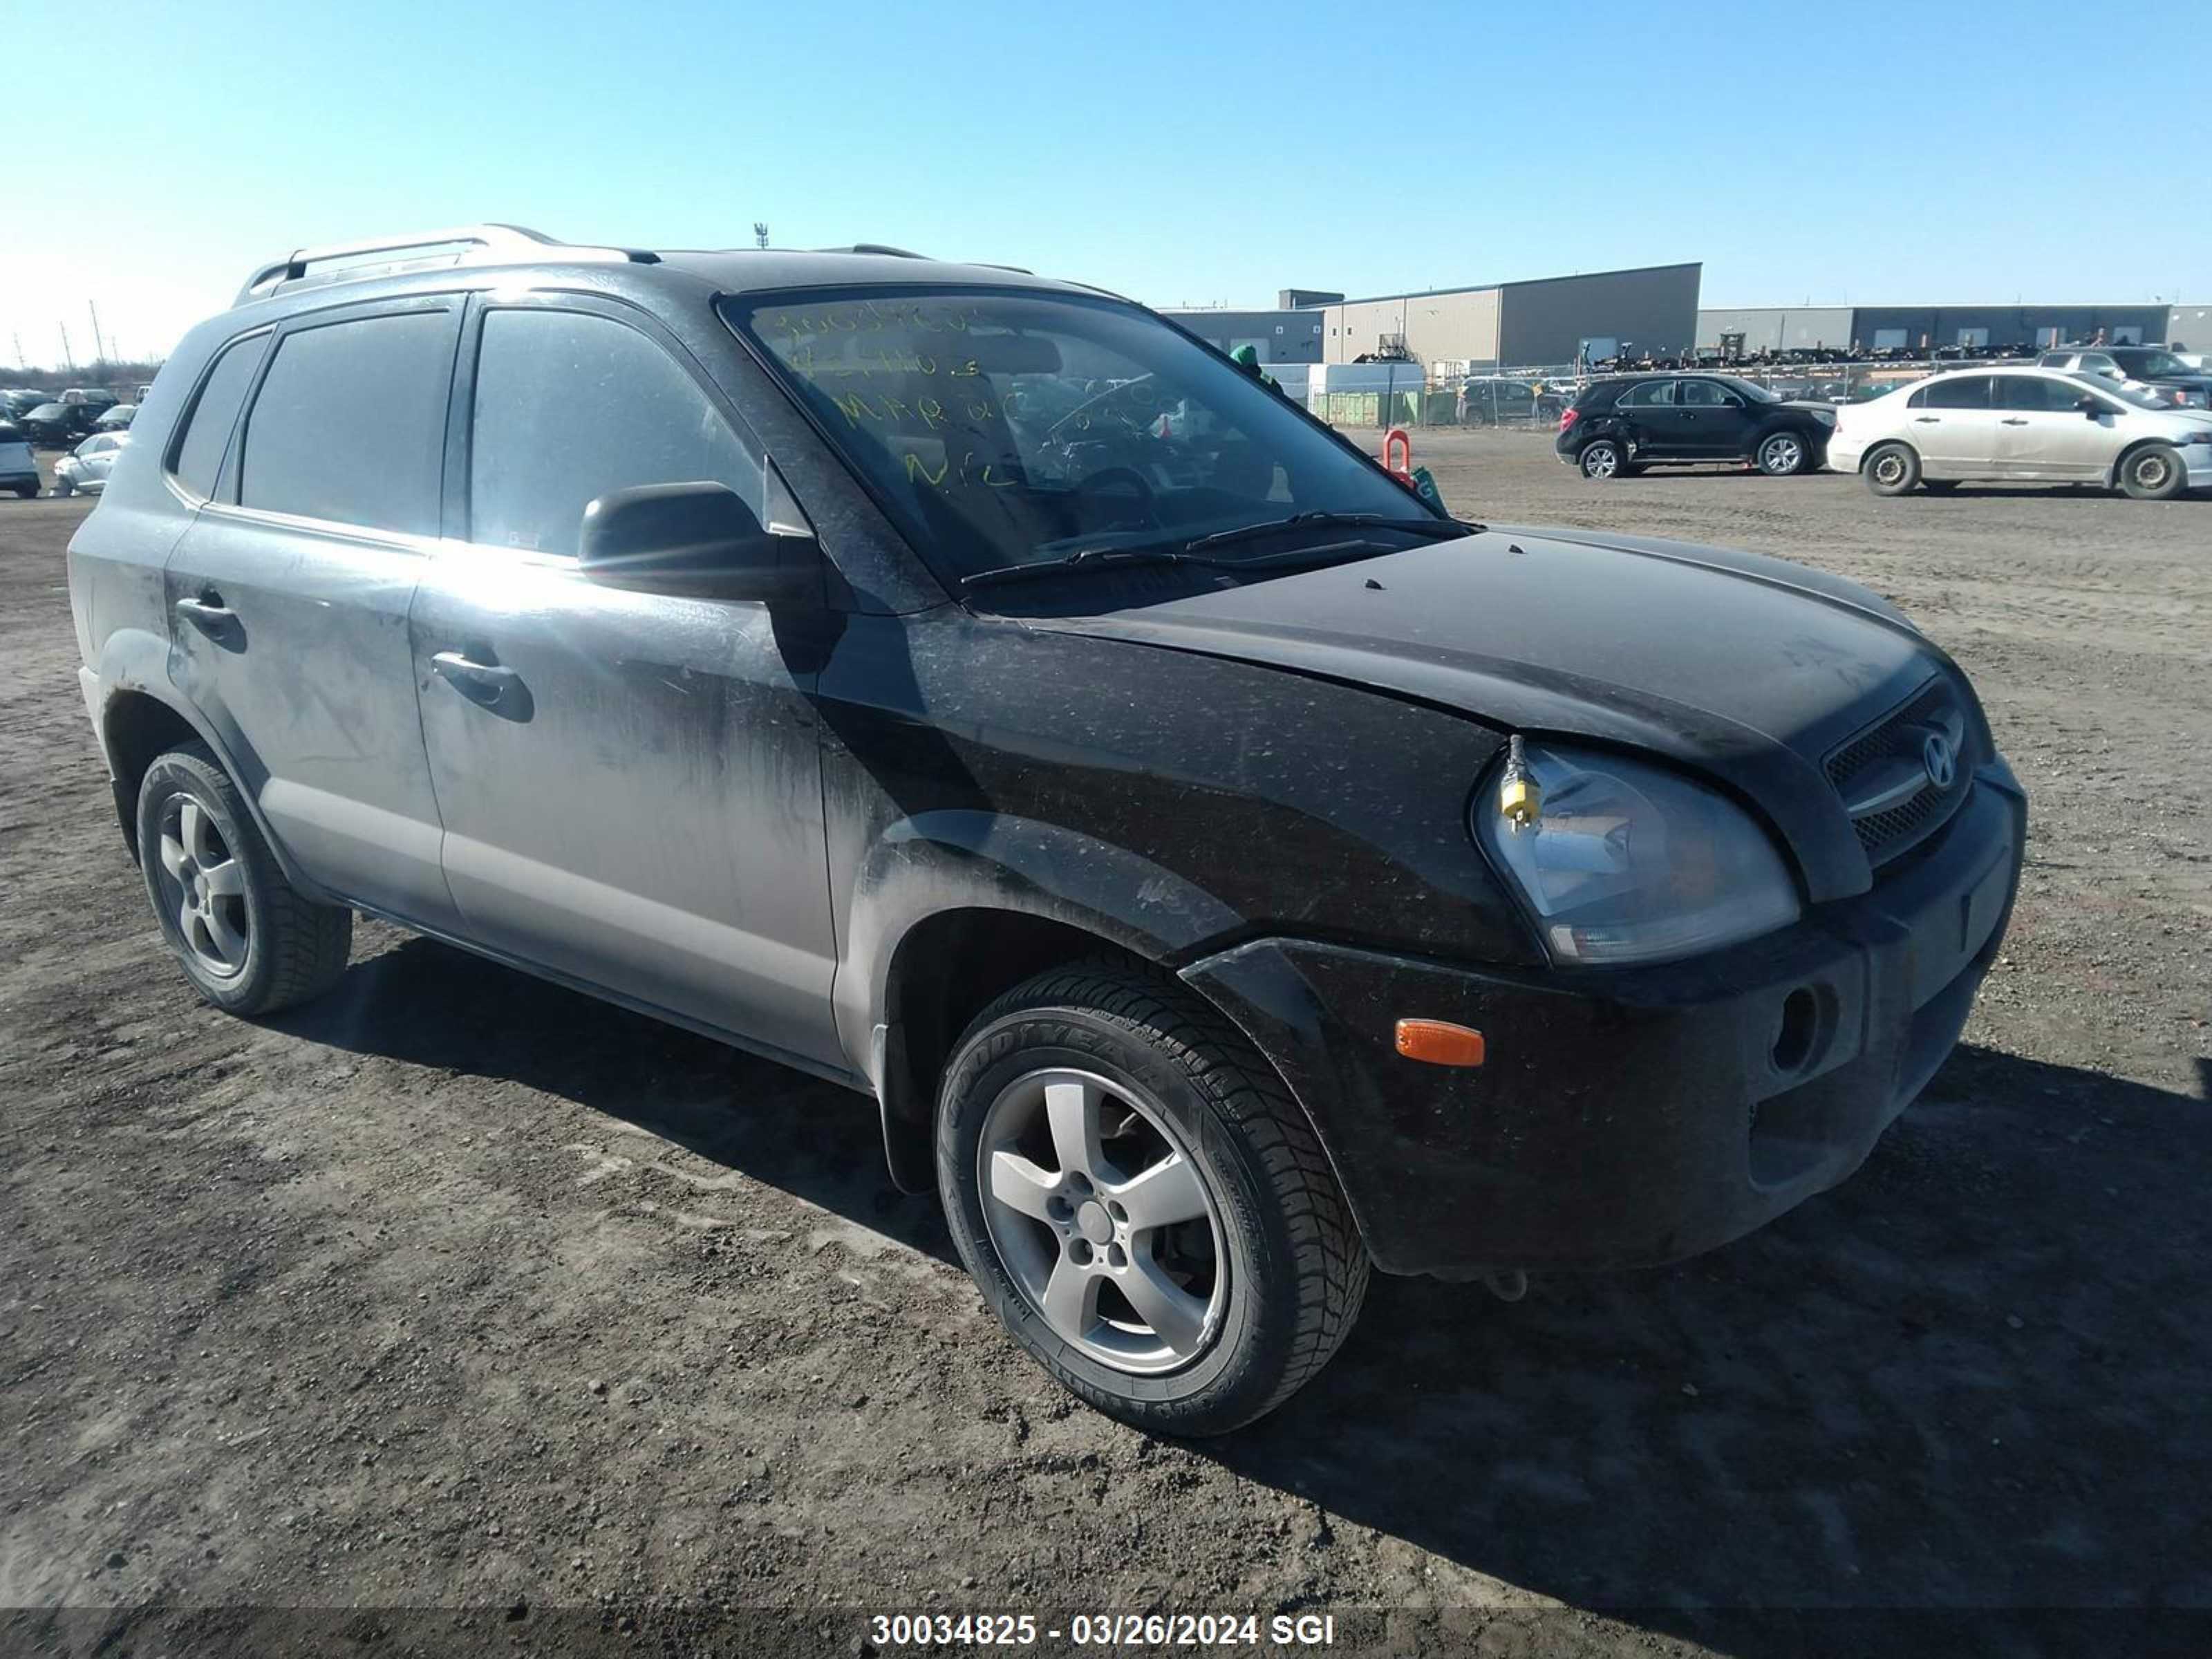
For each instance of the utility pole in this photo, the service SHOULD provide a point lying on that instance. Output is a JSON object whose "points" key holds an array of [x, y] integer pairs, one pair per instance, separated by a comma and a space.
{"points": [[98, 346], [68, 361], [21, 362]]}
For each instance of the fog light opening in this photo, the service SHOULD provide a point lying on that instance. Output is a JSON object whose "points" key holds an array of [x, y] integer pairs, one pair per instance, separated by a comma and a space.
{"points": [[1801, 1019]]}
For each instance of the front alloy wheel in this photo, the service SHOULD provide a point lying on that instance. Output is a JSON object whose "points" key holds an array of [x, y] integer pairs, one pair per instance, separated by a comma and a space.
{"points": [[1141, 1203], [1782, 454], [1103, 1219]]}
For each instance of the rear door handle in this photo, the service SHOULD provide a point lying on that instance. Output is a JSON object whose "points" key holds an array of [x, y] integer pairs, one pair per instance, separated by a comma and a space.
{"points": [[485, 682], [209, 614], [2015, 420], [1929, 420]]}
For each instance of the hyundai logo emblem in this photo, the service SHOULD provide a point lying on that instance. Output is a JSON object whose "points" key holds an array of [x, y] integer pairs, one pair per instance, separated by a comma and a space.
{"points": [[1942, 762]]}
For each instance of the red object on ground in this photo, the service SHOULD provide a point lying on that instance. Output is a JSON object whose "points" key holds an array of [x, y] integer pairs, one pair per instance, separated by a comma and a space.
{"points": [[1404, 469]]}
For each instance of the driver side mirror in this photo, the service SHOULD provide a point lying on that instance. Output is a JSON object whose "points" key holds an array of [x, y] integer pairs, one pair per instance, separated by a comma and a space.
{"points": [[694, 541], [2093, 407]]}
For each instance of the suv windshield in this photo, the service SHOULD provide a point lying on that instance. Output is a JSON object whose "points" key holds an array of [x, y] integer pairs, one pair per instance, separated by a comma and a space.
{"points": [[1006, 429]]}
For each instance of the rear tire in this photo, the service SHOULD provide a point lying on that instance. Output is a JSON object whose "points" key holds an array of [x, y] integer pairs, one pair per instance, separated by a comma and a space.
{"points": [[1939, 486], [2154, 473], [1891, 469], [1602, 459], [1782, 454], [248, 939], [26, 492], [1063, 1104]]}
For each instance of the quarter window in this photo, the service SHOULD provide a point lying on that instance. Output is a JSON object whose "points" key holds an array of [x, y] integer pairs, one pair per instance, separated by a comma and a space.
{"points": [[207, 429], [570, 406], [350, 424]]}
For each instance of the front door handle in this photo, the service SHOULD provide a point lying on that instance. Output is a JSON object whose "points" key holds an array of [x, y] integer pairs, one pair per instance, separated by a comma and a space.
{"points": [[487, 682], [2015, 420], [1929, 420]]}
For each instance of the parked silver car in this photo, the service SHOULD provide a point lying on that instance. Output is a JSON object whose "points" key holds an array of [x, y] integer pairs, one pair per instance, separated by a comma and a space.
{"points": [[84, 470], [2023, 423]]}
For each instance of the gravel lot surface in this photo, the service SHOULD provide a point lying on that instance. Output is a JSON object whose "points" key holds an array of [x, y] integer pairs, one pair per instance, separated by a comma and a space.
{"points": [[459, 1289]]}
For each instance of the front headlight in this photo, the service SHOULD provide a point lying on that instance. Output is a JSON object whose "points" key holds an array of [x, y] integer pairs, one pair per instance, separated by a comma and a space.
{"points": [[1625, 862]]}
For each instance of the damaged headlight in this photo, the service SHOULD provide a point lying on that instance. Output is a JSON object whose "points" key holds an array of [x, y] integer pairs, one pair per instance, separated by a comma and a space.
{"points": [[1623, 862]]}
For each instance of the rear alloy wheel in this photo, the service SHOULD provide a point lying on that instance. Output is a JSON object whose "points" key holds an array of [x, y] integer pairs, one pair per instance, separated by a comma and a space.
{"points": [[2154, 473], [1891, 469], [249, 941], [1602, 459], [1782, 454], [1140, 1203]]}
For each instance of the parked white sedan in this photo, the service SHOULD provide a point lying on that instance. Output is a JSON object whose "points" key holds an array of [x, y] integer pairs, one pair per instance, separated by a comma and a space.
{"points": [[84, 470], [2029, 424]]}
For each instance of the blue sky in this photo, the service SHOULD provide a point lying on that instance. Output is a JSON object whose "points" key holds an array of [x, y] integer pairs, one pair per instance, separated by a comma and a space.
{"points": [[1186, 153]]}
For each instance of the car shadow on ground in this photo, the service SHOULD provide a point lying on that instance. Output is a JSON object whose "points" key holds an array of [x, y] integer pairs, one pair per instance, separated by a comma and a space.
{"points": [[1971, 1377], [428, 1003]]}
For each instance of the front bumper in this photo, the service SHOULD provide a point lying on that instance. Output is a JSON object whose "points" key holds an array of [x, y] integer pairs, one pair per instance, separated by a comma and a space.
{"points": [[1633, 1116]]}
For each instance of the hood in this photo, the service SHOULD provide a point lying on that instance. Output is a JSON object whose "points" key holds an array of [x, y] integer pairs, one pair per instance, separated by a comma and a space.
{"points": [[1749, 670]]}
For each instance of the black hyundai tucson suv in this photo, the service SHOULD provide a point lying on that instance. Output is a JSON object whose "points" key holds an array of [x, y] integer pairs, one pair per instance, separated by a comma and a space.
{"points": [[1223, 872], [1617, 427]]}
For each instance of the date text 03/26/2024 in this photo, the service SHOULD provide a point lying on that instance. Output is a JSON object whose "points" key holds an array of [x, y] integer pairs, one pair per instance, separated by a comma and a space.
{"points": [[888, 1632]]}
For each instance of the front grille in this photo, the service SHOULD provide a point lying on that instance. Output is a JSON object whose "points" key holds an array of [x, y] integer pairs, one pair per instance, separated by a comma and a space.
{"points": [[1881, 774]]}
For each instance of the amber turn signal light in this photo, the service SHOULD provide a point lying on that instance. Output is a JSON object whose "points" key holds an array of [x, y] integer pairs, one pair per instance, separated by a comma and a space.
{"points": [[1439, 1043]]}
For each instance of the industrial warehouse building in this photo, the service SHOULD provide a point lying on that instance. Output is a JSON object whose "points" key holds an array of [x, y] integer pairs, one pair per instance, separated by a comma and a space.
{"points": [[1550, 320], [1930, 328]]}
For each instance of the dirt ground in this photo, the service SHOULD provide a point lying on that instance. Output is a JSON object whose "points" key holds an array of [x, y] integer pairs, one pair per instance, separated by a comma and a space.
{"points": [[460, 1290]]}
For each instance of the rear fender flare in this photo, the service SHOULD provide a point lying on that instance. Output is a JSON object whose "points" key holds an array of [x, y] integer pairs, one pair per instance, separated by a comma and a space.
{"points": [[135, 662]]}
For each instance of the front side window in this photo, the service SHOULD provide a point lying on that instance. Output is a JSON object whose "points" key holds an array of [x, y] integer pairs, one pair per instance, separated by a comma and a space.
{"points": [[350, 424], [207, 427], [2031, 393], [1001, 428], [1706, 394], [570, 406]]}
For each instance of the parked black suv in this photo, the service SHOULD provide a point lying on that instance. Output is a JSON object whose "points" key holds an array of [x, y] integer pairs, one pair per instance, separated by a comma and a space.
{"points": [[1222, 870], [1618, 426]]}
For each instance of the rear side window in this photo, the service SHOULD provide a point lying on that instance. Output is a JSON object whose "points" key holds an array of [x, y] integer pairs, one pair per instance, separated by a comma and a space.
{"points": [[1652, 394], [350, 423], [1972, 391], [570, 406], [207, 429]]}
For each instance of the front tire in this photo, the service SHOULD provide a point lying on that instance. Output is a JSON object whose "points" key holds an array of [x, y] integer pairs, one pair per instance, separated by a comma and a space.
{"points": [[1891, 469], [1781, 454], [250, 942], [1141, 1203], [2154, 473], [1602, 459]]}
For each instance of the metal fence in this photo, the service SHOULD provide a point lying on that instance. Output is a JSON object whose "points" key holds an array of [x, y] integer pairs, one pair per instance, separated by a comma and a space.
{"points": [[1535, 396]]}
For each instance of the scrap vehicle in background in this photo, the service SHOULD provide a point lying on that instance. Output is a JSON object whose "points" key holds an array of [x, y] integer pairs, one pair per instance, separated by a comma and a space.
{"points": [[2150, 366], [84, 470], [58, 425], [2031, 425], [1618, 426], [19, 467], [118, 418], [1223, 872]]}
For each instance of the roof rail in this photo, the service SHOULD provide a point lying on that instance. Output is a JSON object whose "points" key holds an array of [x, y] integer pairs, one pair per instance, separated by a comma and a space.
{"points": [[465, 244], [876, 247]]}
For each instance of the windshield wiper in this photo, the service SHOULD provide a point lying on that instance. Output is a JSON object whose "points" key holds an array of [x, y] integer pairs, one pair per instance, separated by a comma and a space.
{"points": [[1084, 558], [1439, 528]]}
